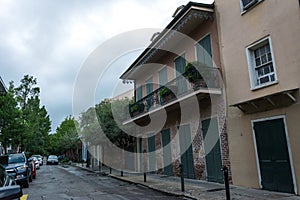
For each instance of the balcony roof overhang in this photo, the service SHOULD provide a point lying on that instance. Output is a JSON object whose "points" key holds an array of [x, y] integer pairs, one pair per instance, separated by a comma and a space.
{"points": [[192, 15], [277, 100]]}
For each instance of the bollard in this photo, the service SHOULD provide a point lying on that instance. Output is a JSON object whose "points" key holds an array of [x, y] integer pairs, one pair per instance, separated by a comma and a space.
{"points": [[110, 170], [100, 166], [226, 181], [181, 176], [145, 179], [121, 172]]}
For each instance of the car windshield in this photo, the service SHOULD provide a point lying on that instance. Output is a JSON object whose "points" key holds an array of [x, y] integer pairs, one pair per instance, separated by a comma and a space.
{"points": [[53, 157], [16, 158]]}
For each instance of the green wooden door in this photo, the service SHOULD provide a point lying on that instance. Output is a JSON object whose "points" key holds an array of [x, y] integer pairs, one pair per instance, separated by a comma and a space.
{"points": [[167, 154], [181, 82], [130, 158], [186, 151], [213, 157], [273, 156], [152, 155]]}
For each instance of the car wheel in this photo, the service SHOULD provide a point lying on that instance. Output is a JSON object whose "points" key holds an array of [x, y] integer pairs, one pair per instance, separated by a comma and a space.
{"points": [[26, 184]]}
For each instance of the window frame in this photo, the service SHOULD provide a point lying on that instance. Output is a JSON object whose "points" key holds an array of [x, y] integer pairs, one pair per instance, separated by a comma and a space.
{"points": [[252, 65], [249, 6]]}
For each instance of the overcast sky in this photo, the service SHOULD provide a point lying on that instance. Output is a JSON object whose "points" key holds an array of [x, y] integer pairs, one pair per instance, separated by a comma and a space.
{"points": [[51, 39]]}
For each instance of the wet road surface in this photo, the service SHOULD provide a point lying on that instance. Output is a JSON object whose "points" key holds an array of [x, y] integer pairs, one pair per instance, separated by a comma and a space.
{"points": [[72, 183]]}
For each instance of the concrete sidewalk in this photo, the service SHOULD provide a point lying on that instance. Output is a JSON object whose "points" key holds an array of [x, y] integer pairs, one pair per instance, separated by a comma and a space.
{"points": [[194, 189]]}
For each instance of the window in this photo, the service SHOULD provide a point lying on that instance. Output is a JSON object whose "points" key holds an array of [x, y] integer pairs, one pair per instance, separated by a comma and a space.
{"points": [[163, 76], [139, 93], [246, 4], [149, 86], [203, 51], [181, 83], [261, 64]]}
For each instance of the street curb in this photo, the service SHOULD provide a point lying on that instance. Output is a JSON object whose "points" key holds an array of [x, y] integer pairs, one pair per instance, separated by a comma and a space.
{"points": [[153, 188], [144, 185]]}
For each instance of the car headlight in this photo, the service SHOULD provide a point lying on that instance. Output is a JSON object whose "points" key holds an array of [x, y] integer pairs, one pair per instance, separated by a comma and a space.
{"points": [[21, 168]]}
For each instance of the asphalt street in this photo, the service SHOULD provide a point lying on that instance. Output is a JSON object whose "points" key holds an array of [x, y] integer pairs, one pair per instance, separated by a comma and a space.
{"points": [[59, 182]]}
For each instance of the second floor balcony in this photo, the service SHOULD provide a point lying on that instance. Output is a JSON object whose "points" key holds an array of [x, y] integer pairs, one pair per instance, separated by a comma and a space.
{"points": [[201, 82]]}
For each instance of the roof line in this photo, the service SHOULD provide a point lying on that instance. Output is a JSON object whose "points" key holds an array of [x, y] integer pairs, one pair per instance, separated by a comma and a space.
{"points": [[168, 27]]}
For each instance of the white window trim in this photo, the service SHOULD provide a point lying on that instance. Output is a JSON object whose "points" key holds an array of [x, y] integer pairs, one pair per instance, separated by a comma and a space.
{"points": [[283, 117], [243, 11], [250, 62]]}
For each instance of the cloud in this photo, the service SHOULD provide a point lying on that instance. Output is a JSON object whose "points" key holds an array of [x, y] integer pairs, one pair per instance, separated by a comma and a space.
{"points": [[51, 40]]}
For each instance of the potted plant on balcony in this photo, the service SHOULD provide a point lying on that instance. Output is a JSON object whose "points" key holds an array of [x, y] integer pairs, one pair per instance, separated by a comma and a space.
{"points": [[168, 93], [195, 73], [136, 108]]}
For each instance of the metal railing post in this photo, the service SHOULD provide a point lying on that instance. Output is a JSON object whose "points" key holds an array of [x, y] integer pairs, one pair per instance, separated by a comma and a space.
{"points": [[181, 177], [226, 181]]}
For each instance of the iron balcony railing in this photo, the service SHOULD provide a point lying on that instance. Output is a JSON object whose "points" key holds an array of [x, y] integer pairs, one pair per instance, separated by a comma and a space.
{"points": [[188, 82]]}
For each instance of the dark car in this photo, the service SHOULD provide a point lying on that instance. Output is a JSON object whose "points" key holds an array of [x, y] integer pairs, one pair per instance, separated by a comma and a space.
{"points": [[19, 168], [8, 187]]}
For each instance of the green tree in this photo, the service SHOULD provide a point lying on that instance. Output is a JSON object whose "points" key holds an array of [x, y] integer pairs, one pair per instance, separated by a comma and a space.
{"points": [[11, 121], [66, 137], [34, 116], [90, 130], [111, 115]]}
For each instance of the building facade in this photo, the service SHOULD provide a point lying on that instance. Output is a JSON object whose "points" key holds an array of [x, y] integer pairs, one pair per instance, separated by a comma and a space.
{"points": [[260, 57], [179, 109]]}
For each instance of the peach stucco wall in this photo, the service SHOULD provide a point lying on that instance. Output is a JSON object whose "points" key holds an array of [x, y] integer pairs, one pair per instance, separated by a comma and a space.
{"points": [[279, 20]]}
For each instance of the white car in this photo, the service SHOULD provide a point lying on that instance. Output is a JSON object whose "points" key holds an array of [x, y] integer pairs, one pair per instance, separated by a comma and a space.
{"points": [[36, 162], [40, 159], [52, 160]]}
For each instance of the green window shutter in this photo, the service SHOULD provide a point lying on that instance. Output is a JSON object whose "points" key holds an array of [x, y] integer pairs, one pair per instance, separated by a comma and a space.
{"points": [[204, 54], [163, 76], [180, 65], [181, 83], [139, 93], [149, 86]]}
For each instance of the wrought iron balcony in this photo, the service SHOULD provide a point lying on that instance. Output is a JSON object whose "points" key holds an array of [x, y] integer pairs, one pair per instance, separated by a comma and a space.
{"points": [[199, 81]]}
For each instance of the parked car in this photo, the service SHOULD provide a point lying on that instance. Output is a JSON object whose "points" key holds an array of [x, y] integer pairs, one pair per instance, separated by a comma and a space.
{"points": [[32, 165], [40, 159], [18, 168], [52, 159], [8, 186]]}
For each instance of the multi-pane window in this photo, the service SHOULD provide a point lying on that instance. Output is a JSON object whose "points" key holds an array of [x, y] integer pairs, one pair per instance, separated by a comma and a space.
{"points": [[261, 64], [264, 65]]}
